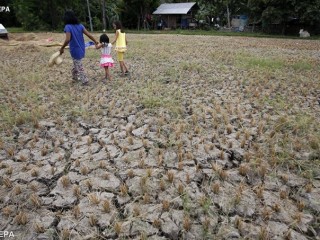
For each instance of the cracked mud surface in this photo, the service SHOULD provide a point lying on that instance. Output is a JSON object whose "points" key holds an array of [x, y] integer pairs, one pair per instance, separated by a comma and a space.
{"points": [[209, 138]]}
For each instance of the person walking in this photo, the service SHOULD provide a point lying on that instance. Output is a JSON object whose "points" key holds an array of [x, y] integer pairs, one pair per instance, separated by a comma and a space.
{"points": [[121, 46], [74, 38], [106, 60]]}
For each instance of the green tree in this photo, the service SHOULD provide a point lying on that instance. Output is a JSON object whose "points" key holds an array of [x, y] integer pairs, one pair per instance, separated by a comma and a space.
{"points": [[113, 11], [135, 11], [224, 9], [47, 15], [27, 15], [280, 12]]}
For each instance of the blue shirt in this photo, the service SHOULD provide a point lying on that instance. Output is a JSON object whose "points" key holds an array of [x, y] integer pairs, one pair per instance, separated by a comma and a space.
{"points": [[76, 44]]}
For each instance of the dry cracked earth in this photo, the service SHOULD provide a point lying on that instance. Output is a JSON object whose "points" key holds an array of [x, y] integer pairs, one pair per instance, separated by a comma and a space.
{"points": [[208, 138]]}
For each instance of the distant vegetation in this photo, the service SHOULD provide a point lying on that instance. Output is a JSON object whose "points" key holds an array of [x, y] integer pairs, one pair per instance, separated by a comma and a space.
{"points": [[271, 16]]}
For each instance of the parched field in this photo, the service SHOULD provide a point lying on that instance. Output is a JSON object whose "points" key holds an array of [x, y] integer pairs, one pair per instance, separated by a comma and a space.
{"points": [[209, 138]]}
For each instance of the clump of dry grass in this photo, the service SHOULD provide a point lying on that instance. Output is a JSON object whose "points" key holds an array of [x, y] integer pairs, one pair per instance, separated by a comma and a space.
{"points": [[186, 223], [130, 173], [76, 211], [10, 151], [34, 187], [9, 170], [17, 190], [94, 198], [283, 194], [118, 228], [65, 181], [276, 207], [238, 223], [7, 182], [106, 206], [260, 191], [35, 172], [89, 184], [180, 189], [223, 174], [157, 223], [123, 190], [65, 234], [244, 169], [76, 191], [141, 163], [149, 172], [215, 187], [146, 198], [165, 205], [309, 187], [162, 185], [93, 221], [21, 218], [102, 165], [38, 227], [136, 211], [7, 211], [84, 170], [264, 234], [77, 163], [35, 200], [300, 205], [188, 178], [170, 176]]}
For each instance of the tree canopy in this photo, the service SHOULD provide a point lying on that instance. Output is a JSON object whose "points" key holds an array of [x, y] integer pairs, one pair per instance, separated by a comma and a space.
{"points": [[47, 15]]}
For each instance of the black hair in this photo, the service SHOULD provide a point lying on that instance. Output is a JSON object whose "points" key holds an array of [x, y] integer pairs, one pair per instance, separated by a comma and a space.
{"points": [[104, 39], [118, 26], [70, 17]]}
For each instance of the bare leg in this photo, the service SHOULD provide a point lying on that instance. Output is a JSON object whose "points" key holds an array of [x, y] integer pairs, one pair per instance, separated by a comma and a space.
{"points": [[123, 67], [108, 76]]}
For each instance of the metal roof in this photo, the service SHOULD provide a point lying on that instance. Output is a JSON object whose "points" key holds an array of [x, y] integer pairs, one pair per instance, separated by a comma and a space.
{"points": [[3, 29], [174, 8]]}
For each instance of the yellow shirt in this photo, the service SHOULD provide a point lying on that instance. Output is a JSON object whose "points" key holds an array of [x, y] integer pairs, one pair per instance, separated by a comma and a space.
{"points": [[121, 42]]}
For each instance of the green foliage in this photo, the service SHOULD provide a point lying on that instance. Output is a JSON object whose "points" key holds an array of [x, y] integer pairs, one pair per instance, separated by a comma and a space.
{"points": [[97, 22], [47, 15], [135, 11], [27, 15]]}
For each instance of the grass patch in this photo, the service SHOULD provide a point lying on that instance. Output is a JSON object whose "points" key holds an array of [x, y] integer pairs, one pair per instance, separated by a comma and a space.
{"points": [[259, 62], [212, 32], [13, 117], [16, 30], [278, 102], [93, 54], [187, 66], [155, 95], [301, 65]]}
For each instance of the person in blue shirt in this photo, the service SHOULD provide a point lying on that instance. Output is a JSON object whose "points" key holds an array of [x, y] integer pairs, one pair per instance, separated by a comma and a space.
{"points": [[74, 37]]}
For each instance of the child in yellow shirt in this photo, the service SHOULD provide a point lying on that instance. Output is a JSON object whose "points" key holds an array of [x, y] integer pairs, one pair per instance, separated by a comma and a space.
{"points": [[121, 46]]}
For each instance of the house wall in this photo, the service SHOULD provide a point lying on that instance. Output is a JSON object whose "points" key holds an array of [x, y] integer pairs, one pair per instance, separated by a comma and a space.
{"points": [[174, 21]]}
